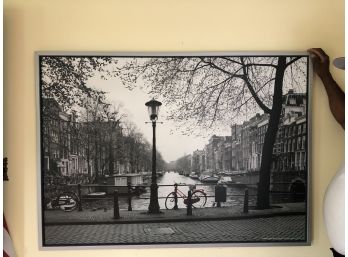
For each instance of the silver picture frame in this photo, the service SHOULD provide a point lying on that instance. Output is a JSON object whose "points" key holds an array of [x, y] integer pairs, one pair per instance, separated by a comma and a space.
{"points": [[57, 225]]}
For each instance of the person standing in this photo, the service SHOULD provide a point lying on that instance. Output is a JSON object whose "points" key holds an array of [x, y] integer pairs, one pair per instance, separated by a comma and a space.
{"points": [[334, 196]]}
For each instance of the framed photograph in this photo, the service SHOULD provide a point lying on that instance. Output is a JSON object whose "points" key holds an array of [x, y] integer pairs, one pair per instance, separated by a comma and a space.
{"points": [[173, 149]]}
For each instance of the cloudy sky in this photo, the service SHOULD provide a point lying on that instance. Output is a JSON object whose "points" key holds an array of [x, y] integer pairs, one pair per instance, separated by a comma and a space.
{"points": [[171, 143]]}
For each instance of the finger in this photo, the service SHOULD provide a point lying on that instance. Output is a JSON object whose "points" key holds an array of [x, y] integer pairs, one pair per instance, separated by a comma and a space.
{"points": [[314, 57], [320, 53]]}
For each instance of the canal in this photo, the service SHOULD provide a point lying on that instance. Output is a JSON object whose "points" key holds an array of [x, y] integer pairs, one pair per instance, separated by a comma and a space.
{"points": [[142, 201]]}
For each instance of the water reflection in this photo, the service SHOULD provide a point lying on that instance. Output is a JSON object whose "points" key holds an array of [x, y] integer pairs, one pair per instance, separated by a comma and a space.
{"points": [[166, 186]]}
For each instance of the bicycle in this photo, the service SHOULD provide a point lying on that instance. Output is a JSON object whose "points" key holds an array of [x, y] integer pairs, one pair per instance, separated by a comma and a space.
{"points": [[198, 197], [64, 200]]}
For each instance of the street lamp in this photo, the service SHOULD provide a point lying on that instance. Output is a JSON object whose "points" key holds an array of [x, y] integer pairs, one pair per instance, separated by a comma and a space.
{"points": [[153, 108]]}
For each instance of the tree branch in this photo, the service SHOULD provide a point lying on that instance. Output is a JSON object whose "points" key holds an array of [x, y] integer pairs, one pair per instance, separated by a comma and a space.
{"points": [[218, 100], [252, 91], [230, 60], [293, 60], [236, 108], [213, 65]]}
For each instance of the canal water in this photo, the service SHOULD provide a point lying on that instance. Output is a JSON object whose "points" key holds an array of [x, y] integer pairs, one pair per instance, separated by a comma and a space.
{"points": [[235, 195]]}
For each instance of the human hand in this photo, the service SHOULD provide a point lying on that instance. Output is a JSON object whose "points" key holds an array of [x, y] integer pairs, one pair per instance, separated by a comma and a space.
{"points": [[321, 62]]}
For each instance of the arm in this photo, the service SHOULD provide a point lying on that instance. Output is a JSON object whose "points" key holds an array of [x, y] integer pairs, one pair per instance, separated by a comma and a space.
{"points": [[321, 63]]}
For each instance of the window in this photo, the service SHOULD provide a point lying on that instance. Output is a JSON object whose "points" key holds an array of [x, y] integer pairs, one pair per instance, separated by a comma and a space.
{"points": [[293, 145], [303, 142], [46, 163], [287, 163], [298, 143], [74, 163], [296, 160], [55, 154], [292, 161]]}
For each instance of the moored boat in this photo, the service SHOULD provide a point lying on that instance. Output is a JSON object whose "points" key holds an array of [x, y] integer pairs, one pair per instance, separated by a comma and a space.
{"points": [[193, 175], [210, 179], [226, 180], [120, 181], [94, 196]]}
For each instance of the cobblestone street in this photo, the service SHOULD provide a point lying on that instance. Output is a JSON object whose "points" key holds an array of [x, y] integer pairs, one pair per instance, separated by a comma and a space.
{"points": [[267, 229]]}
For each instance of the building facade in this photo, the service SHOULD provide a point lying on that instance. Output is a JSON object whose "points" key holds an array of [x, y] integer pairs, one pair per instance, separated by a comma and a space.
{"points": [[72, 148], [242, 151]]}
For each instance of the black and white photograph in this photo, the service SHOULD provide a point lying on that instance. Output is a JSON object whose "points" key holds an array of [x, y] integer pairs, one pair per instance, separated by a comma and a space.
{"points": [[174, 149]]}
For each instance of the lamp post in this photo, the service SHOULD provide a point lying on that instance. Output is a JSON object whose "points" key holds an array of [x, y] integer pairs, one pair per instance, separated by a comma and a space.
{"points": [[153, 108]]}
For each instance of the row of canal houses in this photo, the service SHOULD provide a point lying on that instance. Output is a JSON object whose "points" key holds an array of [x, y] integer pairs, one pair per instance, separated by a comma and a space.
{"points": [[241, 151], [82, 150]]}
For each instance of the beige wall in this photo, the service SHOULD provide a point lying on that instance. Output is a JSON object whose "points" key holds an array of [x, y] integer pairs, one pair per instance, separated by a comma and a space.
{"points": [[159, 25]]}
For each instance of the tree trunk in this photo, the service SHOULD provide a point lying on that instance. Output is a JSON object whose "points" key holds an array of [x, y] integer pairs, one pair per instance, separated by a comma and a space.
{"points": [[88, 152], [96, 155], [111, 159], [270, 137]]}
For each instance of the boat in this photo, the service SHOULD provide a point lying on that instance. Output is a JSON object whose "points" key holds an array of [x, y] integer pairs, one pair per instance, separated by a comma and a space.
{"points": [[94, 196], [193, 175], [97, 195], [225, 181], [120, 181], [209, 178]]}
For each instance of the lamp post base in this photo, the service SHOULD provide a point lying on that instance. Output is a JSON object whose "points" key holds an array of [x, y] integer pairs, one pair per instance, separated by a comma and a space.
{"points": [[154, 206]]}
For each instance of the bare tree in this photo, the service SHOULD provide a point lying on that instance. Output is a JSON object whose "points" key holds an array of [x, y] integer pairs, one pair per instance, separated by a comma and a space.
{"points": [[207, 92], [183, 164], [64, 78], [138, 151], [112, 134], [101, 133]]}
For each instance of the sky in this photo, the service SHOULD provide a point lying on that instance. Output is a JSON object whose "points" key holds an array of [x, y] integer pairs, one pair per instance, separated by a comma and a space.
{"points": [[171, 144]]}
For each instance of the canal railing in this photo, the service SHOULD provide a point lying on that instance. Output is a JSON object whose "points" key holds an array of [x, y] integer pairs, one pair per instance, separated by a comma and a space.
{"points": [[135, 190]]}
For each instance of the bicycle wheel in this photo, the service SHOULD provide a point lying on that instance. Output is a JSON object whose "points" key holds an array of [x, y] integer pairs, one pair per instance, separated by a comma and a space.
{"points": [[170, 201], [199, 199], [68, 201]]}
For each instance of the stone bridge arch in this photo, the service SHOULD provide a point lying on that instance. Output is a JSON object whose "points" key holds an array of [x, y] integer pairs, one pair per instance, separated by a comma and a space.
{"points": [[292, 183]]}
